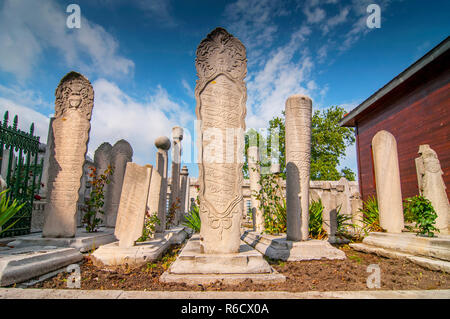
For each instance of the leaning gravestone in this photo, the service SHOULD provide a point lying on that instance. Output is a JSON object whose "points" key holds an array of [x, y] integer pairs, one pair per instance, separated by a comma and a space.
{"points": [[387, 178], [121, 154], [218, 253], [71, 126], [133, 204]]}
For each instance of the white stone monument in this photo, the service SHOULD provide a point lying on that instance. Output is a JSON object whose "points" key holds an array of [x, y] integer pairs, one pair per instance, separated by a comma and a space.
{"points": [[255, 186], [175, 198], [387, 178]]}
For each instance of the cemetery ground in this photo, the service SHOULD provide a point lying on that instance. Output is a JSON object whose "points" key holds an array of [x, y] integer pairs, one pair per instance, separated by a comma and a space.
{"points": [[301, 276]]}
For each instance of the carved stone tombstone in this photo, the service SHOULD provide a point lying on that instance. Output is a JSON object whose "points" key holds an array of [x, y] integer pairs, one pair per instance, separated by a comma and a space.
{"points": [[221, 95], [357, 215], [175, 198], [157, 198], [329, 213], [184, 188], [133, 204], [387, 178], [255, 187], [298, 153], [102, 159], [71, 126], [431, 184], [121, 154]]}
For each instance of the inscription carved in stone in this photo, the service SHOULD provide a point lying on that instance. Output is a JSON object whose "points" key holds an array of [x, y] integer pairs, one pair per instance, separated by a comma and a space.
{"points": [[221, 96], [71, 126]]}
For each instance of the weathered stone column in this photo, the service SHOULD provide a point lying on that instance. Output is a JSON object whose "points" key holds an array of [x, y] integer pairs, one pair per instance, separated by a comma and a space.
{"points": [[177, 137], [102, 159], [432, 186], [121, 154], [298, 152], [44, 179], [157, 198], [255, 187], [387, 178], [71, 126], [357, 215], [221, 96], [329, 214], [184, 186]]}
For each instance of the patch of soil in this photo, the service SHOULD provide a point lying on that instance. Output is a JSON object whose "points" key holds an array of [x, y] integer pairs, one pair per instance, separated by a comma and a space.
{"points": [[318, 275]]}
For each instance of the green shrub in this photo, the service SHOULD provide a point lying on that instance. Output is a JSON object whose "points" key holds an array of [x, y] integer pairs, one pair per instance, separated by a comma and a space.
{"points": [[316, 230], [371, 220], [148, 230], [419, 210], [8, 210], [192, 219]]}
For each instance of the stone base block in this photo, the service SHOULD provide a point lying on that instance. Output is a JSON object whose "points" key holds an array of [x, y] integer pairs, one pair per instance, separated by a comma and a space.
{"points": [[20, 264], [277, 247], [430, 263], [83, 241], [140, 254], [176, 235], [410, 243], [193, 267]]}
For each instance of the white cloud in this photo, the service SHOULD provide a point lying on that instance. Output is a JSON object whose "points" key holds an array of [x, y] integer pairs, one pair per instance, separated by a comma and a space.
{"points": [[117, 116], [314, 15], [187, 88], [30, 29], [336, 20]]}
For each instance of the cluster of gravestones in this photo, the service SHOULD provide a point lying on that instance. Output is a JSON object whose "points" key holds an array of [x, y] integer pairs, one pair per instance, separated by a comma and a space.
{"points": [[219, 251]]}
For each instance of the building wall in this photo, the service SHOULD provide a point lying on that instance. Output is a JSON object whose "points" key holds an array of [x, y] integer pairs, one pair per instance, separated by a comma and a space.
{"points": [[420, 114]]}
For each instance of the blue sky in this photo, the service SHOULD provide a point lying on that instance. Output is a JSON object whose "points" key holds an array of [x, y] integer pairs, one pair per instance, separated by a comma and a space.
{"points": [[140, 57]]}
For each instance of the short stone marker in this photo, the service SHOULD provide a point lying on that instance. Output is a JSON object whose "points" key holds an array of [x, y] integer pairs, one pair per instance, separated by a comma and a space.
{"points": [[133, 204]]}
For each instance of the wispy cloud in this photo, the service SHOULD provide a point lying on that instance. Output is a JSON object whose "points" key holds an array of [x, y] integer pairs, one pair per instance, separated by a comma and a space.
{"points": [[32, 29]]}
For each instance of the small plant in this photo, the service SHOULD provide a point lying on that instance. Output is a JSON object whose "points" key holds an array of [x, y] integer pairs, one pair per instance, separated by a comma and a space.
{"points": [[418, 209], [149, 226], [96, 201], [192, 219], [342, 222], [316, 230], [172, 212], [8, 210], [371, 219]]}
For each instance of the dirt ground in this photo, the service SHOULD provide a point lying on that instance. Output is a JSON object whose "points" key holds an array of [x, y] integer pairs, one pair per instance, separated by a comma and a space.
{"points": [[328, 275]]}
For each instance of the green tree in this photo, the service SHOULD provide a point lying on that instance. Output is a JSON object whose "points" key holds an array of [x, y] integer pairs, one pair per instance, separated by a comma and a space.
{"points": [[328, 144]]}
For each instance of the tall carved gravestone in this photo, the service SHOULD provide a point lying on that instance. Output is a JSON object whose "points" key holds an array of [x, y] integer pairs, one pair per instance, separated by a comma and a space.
{"points": [[175, 199], [71, 126], [431, 184], [102, 160], [121, 154], [184, 187], [157, 198], [298, 153], [221, 96], [387, 179]]}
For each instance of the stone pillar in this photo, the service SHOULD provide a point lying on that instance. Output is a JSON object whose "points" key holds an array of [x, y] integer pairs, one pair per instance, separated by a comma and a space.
{"points": [[177, 137], [48, 147], [357, 215], [387, 179], [298, 152], [329, 214], [255, 187], [71, 126], [343, 197], [102, 159], [157, 198], [121, 154], [184, 187], [432, 186], [221, 96]]}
